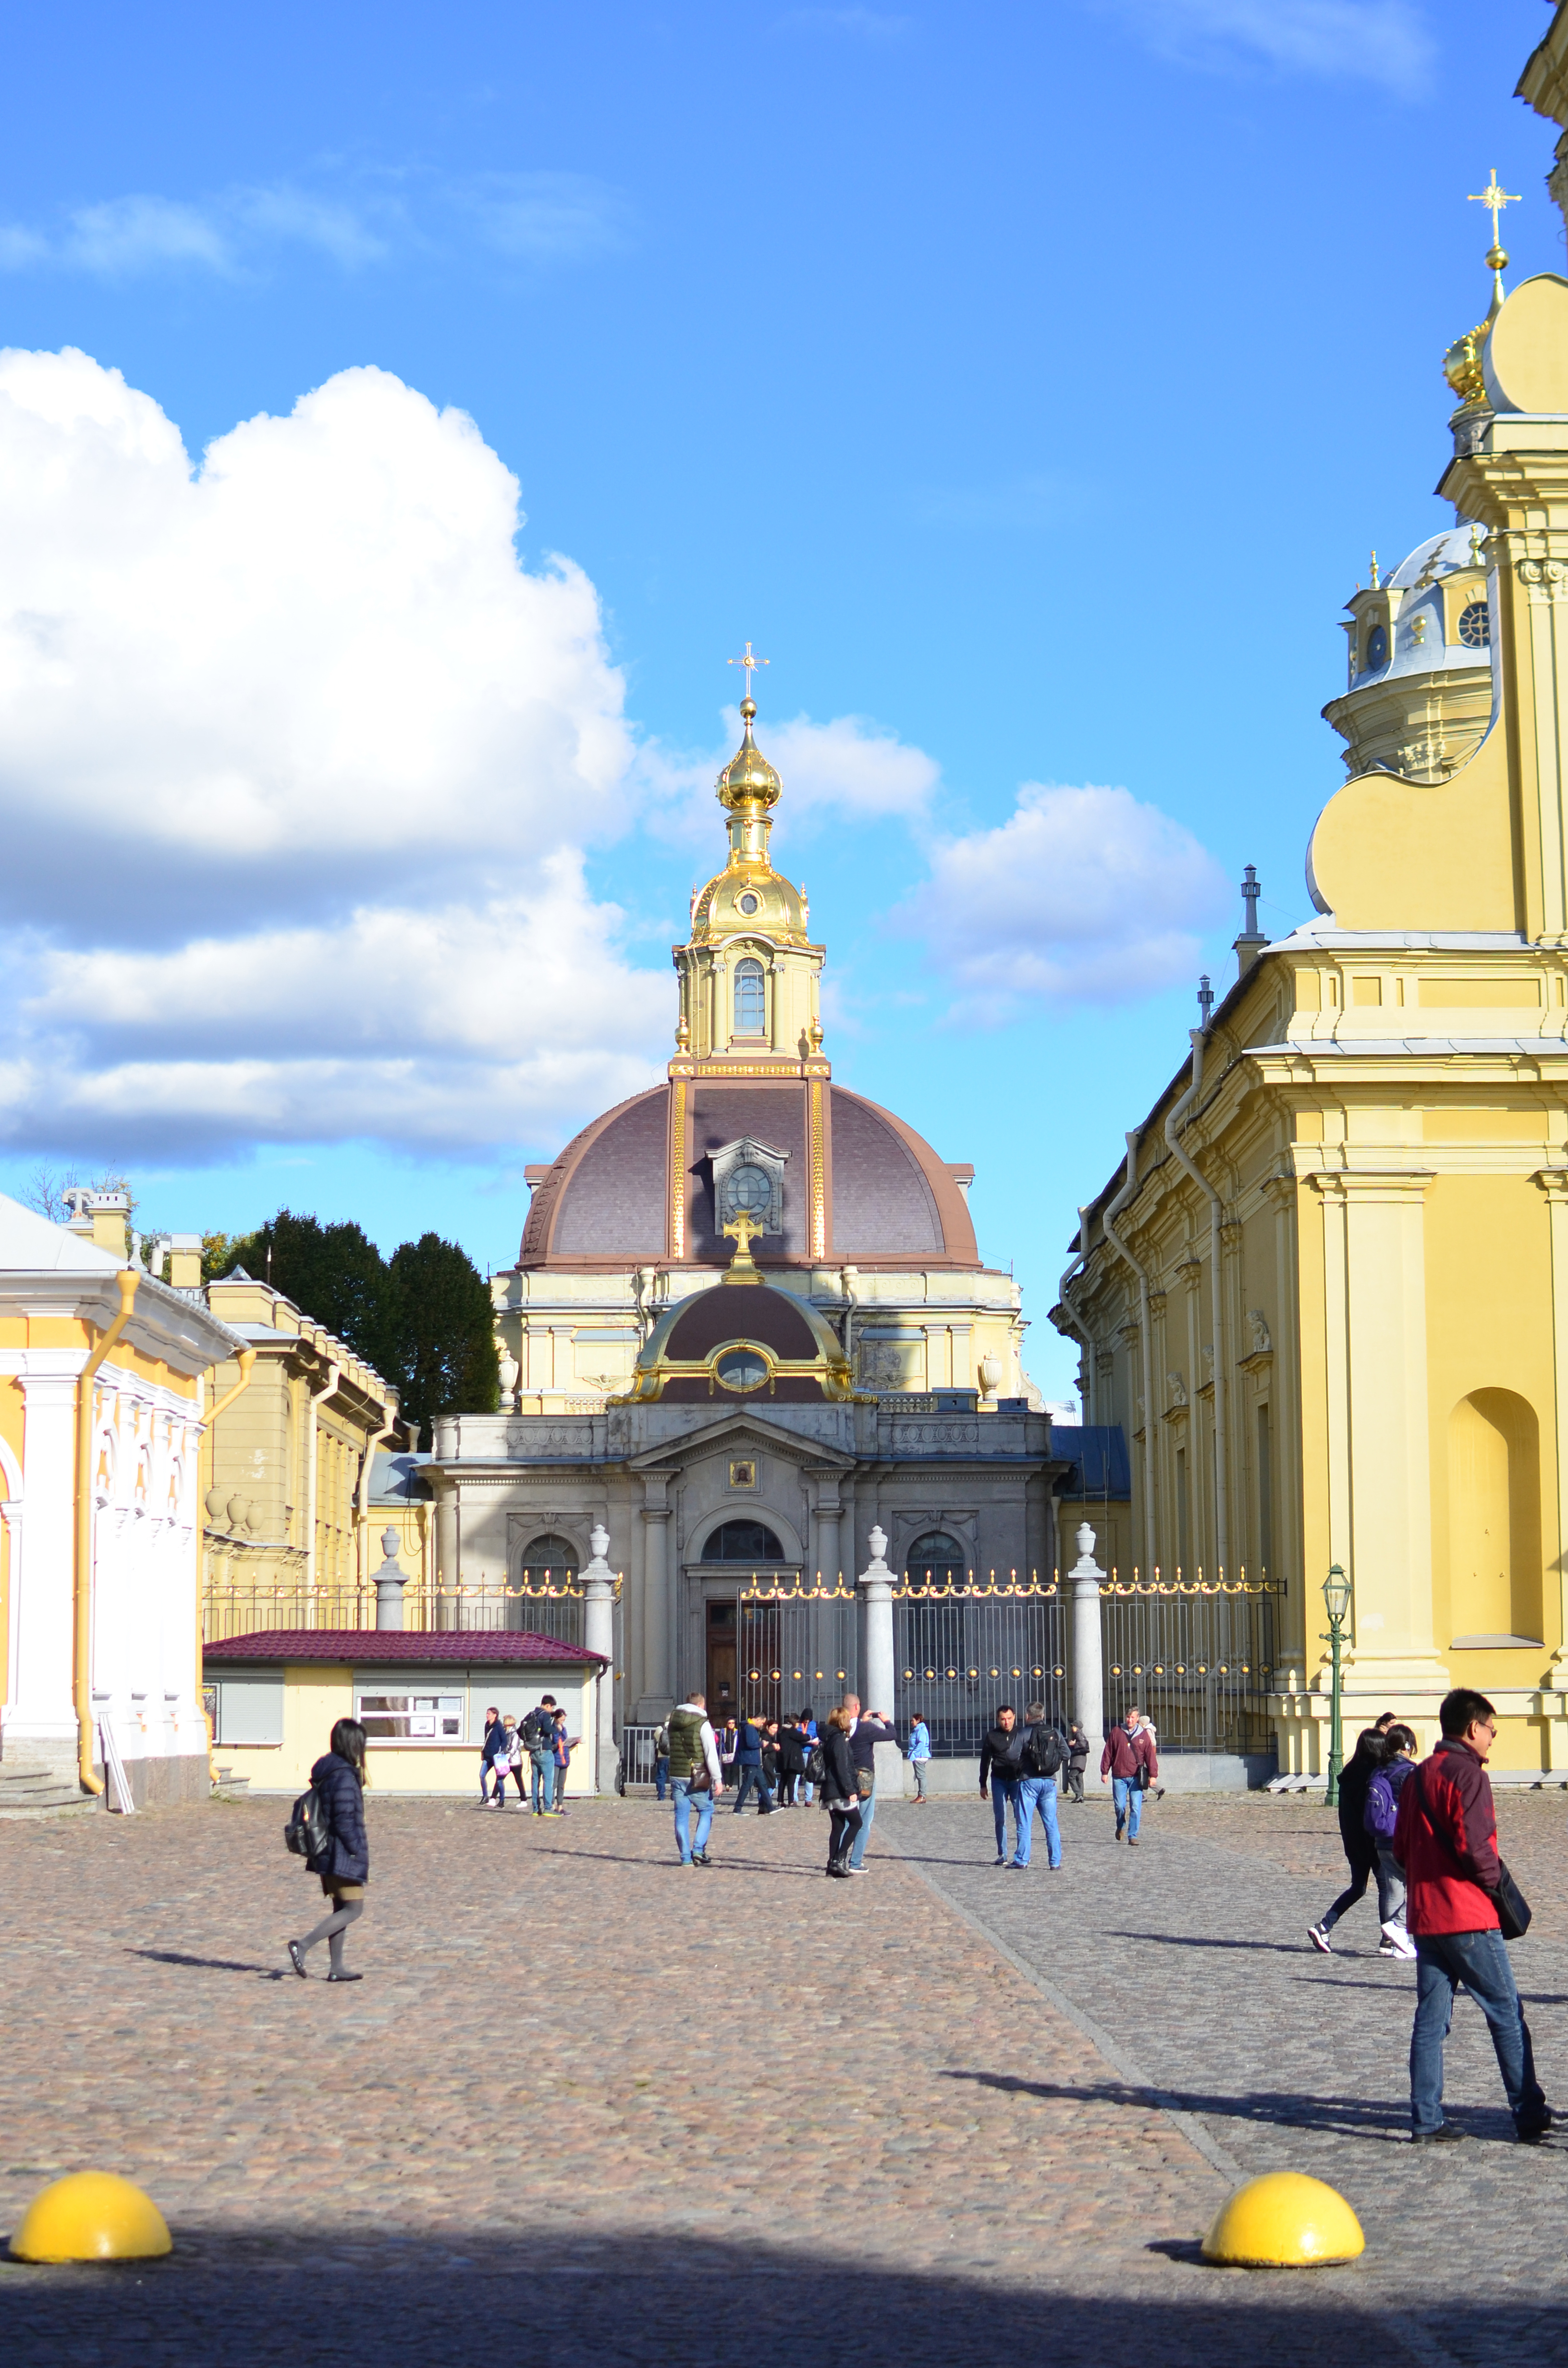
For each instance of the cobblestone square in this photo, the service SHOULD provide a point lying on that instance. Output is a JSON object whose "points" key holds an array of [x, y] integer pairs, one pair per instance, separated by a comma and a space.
{"points": [[586, 2099]]}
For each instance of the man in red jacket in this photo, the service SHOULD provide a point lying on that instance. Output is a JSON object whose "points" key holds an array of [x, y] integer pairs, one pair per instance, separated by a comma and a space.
{"points": [[1129, 1760], [1446, 1839]]}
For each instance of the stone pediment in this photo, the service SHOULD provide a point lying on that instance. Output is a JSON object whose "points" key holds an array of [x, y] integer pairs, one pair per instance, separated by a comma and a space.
{"points": [[745, 1430]]}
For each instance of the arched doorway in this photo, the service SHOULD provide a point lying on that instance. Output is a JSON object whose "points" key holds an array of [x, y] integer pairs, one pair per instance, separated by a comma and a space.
{"points": [[1494, 1552], [737, 1633], [549, 1562]]}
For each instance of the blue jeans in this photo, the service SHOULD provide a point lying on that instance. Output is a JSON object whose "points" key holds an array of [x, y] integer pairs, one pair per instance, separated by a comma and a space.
{"points": [[863, 1831], [751, 1773], [661, 1775], [680, 1788], [1129, 1799], [543, 1766], [1002, 1798], [1036, 1792], [1479, 1960]]}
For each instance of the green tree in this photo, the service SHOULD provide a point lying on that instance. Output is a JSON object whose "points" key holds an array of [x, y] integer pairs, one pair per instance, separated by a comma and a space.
{"points": [[447, 1358], [335, 1274]]}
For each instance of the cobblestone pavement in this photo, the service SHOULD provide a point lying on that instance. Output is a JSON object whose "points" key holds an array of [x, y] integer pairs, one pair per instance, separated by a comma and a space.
{"points": [[1190, 1954], [584, 2100]]}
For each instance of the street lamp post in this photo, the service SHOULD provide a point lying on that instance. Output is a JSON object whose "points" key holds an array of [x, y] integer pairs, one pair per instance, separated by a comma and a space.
{"points": [[1336, 1598]]}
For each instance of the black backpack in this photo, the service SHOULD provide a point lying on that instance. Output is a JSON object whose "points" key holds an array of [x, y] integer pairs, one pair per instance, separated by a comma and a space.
{"points": [[308, 1830], [537, 1730], [1042, 1753]]}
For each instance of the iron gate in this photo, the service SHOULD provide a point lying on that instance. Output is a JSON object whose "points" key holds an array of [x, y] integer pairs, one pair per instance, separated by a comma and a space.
{"points": [[1198, 1659], [960, 1651], [796, 1646]]}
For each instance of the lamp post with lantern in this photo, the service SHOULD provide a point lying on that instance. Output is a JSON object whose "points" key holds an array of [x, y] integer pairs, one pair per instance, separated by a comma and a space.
{"points": [[1336, 1600]]}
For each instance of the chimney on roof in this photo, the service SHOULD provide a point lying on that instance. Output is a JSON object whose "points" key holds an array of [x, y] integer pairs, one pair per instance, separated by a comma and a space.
{"points": [[110, 1215], [185, 1261]]}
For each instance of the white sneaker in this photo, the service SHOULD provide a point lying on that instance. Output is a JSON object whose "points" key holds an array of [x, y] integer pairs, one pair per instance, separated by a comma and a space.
{"points": [[1400, 1944], [1319, 1938]]}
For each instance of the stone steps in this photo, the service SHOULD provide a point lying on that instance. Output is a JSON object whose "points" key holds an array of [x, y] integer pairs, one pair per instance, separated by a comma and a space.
{"points": [[23, 1787]]}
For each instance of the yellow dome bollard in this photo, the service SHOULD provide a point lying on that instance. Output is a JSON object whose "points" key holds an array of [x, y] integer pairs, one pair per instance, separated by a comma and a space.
{"points": [[1285, 2221], [91, 2216]]}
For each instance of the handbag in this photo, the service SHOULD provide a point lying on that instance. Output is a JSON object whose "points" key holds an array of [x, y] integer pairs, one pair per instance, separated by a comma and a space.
{"points": [[865, 1784], [1513, 1907], [701, 1777]]}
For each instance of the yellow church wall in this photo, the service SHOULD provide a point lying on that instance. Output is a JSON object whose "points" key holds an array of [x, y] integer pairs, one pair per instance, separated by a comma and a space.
{"points": [[1394, 854], [1496, 1549]]}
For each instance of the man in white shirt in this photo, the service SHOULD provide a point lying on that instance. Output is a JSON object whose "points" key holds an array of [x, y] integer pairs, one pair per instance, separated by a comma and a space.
{"points": [[696, 1776]]}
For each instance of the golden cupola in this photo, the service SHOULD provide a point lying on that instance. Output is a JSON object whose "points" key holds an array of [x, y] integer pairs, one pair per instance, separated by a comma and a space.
{"points": [[748, 971]]}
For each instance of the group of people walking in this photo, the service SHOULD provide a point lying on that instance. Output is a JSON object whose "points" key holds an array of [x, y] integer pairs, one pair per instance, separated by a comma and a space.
{"points": [[538, 1743], [1427, 1835], [836, 1762]]}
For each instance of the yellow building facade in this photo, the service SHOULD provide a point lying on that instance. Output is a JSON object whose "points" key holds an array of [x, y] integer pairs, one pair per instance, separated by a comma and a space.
{"points": [[291, 1526], [1327, 1293]]}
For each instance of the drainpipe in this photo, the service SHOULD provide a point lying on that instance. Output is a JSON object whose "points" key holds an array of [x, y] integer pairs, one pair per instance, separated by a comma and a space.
{"points": [[81, 1674], [1107, 1216], [363, 1491], [244, 1360], [1175, 1119], [316, 1396]]}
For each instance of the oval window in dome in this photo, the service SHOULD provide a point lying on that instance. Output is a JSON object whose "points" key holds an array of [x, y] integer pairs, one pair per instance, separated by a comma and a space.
{"points": [[742, 1369], [1476, 625], [1377, 649], [748, 903]]}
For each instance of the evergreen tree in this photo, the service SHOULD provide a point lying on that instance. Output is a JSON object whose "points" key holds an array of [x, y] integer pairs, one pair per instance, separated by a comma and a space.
{"points": [[447, 1358], [333, 1274]]}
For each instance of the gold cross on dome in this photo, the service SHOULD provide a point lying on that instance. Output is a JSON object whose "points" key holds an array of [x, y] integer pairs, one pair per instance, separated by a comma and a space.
{"points": [[745, 1228], [750, 665], [1494, 200]]}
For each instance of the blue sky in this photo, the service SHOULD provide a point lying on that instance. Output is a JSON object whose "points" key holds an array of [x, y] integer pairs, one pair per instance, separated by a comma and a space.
{"points": [[1028, 383]]}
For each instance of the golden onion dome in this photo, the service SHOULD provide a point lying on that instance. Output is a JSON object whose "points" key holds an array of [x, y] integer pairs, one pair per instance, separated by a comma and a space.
{"points": [[748, 778]]}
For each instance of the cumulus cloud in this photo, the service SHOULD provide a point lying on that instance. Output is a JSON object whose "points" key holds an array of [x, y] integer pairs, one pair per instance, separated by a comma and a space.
{"points": [[851, 768], [303, 664], [364, 218], [1082, 896], [459, 1029], [1381, 42]]}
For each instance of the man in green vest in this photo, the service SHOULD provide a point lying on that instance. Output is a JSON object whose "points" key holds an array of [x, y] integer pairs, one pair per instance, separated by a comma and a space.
{"points": [[696, 1777]]}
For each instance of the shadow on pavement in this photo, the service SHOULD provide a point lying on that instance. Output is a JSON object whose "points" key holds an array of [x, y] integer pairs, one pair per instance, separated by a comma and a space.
{"points": [[1284, 2107], [308, 2294], [211, 1965]]}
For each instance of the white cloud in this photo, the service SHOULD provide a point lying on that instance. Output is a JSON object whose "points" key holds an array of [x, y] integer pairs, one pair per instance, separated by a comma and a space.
{"points": [[851, 767], [460, 1030], [312, 661], [1083, 895], [355, 220], [1382, 42]]}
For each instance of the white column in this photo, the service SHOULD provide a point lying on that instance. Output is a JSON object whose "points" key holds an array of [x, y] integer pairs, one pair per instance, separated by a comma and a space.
{"points": [[38, 1721], [598, 1636], [877, 1689], [824, 1530], [1088, 1657], [655, 1690]]}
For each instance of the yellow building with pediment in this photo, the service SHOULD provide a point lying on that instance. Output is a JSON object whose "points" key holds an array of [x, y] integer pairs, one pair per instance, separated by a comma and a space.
{"points": [[1328, 1291]]}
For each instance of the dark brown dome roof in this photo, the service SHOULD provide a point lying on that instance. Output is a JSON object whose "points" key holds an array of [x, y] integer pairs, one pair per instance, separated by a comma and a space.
{"points": [[889, 1199]]}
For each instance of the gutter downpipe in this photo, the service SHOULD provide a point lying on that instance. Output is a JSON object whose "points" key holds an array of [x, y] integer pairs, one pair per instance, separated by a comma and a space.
{"points": [[244, 1360], [1107, 1216], [362, 1492], [1175, 1119], [316, 1396], [81, 1607]]}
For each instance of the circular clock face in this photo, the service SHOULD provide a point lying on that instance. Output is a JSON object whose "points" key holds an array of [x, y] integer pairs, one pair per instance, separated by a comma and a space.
{"points": [[742, 1369], [750, 1189], [748, 903], [1377, 649], [1476, 625]]}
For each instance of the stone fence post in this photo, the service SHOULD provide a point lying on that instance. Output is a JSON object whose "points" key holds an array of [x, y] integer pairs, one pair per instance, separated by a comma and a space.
{"points": [[391, 1580], [1088, 1656], [598, 1636], [878, 1687]]}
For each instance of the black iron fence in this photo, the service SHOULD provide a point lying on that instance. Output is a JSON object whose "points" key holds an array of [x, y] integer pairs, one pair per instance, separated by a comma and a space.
{"points": [[796, 1648], [1198, 1658], [960, 1651]]}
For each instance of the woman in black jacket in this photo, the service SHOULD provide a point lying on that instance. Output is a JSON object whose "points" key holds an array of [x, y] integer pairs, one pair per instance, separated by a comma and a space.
{"points": [[344, 1866], [839, 1796]]}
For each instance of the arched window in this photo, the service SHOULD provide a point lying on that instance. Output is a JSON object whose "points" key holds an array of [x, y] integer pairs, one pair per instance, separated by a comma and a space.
{"points": [[549, 1562], [751, 1542], [751, 999], [936, 1560], [549, 1565]]}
